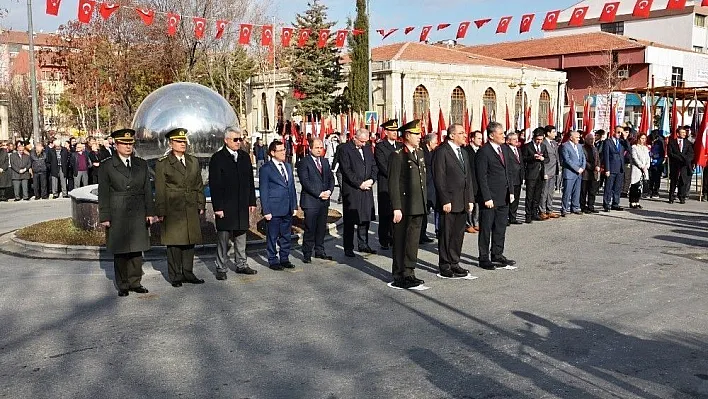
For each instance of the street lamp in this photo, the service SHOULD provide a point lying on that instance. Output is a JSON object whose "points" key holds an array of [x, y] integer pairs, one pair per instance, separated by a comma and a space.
{"points": [[521, 85]]}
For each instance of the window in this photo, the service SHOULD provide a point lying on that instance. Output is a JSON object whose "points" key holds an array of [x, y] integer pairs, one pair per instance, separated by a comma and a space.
{"points": [[677, 77], [616, 28], [490, 103], [520, 105], [265, 122], [421, 105], [279, 109], [697, 49], [544, 107], [457, 106], [699, 20]]}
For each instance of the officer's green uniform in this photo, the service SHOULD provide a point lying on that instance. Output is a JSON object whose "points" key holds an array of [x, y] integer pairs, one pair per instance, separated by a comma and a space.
{"points": [[179, 199], [406, 184], [125, 200]]}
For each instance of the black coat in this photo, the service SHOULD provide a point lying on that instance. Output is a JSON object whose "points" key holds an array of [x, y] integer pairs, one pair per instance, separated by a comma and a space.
{"points": [[493, 177], [54, 162], [104, 154], [313, 182], [533, 167], [232, 188], [355, 171], [429, 183], [382, 153], [453, 183], [680, 161], [6, 174], [515, 166], [407, 183], [125, 199]]}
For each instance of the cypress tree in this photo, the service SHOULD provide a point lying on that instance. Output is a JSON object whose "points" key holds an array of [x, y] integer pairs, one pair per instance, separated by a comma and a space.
{"points": [[359, 53]]}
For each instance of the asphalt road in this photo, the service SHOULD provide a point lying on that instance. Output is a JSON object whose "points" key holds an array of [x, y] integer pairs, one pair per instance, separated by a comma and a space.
{"points": [[601, 306]]}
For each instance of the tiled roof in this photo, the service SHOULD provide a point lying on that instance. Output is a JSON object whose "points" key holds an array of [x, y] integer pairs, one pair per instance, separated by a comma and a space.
{"points": [[412, 51], [18, 37]]}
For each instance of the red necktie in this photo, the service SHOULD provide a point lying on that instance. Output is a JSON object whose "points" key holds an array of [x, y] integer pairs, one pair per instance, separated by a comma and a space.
{"points": [[319, 165]]}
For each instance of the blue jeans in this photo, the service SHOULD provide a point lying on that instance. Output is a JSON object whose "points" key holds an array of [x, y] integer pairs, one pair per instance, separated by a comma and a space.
{"points": [[278, 231], [613, 188], [571, 194]]}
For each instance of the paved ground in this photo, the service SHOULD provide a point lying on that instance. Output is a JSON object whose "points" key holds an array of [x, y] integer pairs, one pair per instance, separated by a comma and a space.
{"points": [[603, 306]]}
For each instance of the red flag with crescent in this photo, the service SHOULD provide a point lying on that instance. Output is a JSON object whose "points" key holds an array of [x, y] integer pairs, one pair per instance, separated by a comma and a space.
{"points": [[303, 36], [462, 30], [609, 12], [285, 35], [107, 9], [551, 20], [267, 35], [503, 24], [642, 9], [146, 14], [410, 29], [341, 38], [221, 28], [676, 4], [53, 7], [323, 36], [425, 32], [526, 22], [172, 22], [86, 10], [443, 26], [199, 27], [244, 34], [578, 17]]}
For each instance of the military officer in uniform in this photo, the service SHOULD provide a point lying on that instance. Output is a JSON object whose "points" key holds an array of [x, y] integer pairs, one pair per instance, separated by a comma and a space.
{"points": [[179, 201], [382, 153], [126, 210], [407, 187]]}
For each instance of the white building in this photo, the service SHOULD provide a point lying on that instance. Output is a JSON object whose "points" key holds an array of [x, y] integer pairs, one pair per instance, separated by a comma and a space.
{"points": [[686, 28]]}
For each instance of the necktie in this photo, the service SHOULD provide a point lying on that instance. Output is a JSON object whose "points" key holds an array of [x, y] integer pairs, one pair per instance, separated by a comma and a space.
{"points": [[127, 163], [680, 145], [183, 163], [501, 156], [462, 160], [516, 153], [575, 147], [361, 152], [538, 149], [282, 172], [319, 165]]}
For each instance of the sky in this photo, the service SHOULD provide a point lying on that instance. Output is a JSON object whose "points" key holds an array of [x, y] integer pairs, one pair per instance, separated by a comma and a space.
{"points": [[385, 14]]}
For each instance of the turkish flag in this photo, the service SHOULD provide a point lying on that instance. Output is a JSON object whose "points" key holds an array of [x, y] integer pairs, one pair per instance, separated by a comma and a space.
{"points": [[442, 26], [199, 27], [609, 11], [385, 34], [267, 35], [462, 30], [425, 32], [341, 38], [146, 15], [285, 35], [53, 7], [578, 16], [410, 29], [221, 28], [503, 24], [86, 10], [551, 20], [323, 36], [642, 9], [481, 22], [704, 3], [303, 36], [676, 4], [172, 22], [107, 9], [526, 22], [244, 34], [357, 32]]}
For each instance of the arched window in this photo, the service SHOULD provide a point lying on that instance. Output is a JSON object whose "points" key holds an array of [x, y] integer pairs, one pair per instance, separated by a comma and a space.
{"points": [[421, 105], [520, 104], [490, 104], [457, 106], [265, 122], [544, 107], [279, 108]]}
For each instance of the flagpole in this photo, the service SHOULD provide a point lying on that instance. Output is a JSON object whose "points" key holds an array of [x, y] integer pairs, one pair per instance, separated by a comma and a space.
{"points": [[33, 75], [369, 100]]}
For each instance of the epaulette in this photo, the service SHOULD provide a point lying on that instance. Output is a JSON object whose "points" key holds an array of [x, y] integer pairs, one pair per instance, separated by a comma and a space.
{"points": [[161, 158], [105, 160]]}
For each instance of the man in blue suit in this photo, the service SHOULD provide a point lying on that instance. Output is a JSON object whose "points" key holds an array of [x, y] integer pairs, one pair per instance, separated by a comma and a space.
{"points": [[613, 161], [317, 184], [278, 202], [573, 161]]}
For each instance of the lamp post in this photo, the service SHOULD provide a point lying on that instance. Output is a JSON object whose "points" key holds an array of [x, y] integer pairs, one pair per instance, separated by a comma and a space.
{"points": [[33, 75], [368, 46], [521, 85]]}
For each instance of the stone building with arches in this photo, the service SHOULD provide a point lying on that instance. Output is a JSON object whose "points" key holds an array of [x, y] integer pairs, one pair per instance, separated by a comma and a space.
{"points": [[416, 80]]}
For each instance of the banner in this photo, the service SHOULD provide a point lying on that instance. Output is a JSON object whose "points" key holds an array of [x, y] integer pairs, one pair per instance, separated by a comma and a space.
{"points": [[602, 110]]}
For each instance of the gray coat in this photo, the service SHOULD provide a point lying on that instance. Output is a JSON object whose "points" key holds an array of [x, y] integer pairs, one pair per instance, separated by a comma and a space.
{"points": [[552, 167], [6, 174], [19, 163], [39, 162]]}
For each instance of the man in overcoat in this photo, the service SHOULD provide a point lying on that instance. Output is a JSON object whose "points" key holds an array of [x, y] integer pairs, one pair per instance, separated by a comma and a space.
{"points": [[179, 201]]}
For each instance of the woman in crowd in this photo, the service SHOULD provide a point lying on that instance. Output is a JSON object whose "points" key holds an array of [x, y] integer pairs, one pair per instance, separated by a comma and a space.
{"points": [[38, 158], [94, 157], [640, 170]]}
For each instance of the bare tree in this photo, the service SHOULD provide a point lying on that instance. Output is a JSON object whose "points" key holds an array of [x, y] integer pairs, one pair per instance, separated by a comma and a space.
{"points": [[19, 97], [608, 76]]}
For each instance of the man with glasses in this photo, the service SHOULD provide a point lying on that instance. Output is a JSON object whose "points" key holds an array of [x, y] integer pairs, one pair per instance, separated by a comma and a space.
{"points": [[233, 197], [126, 210]]}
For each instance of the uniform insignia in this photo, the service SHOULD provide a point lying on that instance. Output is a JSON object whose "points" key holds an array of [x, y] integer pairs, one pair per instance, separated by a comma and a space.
{"points": [[162, 158]]}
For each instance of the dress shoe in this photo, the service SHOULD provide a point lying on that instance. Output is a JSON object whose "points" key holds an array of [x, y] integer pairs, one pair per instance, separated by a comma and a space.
{"points": [[324, 257], [195, 281], [671, 201], [553, 215], [515, 222], [367, 250], [426, 240], [287, 265], [617, 208], [562, 214], [349, 254], [221, 276], [177, 284], [122, 292], [543, 216], [459, 270], [592, 210], [486, 265], [501, 259], [606, 209], [140, 290], [276, 266], [244, 270], [307, 259], [449, 273], [405, 283], [415, 279], [529, 220], [639, 206], [471, 230], [682, 201]]}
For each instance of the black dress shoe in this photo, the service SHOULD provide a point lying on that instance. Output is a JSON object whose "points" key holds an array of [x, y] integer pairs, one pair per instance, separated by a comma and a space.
{"points": [[501, 259], [459, 270], [529, 220], [287, 265], [617, 208], [349, 254], [195, 281], [426, 240], [177, 284], [416, 279], [307, 259], [486, 265], [221, 276], [682, 201], [367, 250], [245, 270], [140, 290], [405, 283], [122, 292], [324, 256], [515, 222], [606, 209], [276, 266]]}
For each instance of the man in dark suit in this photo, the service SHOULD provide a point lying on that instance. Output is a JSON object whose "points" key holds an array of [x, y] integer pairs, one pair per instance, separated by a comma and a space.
{"points": [[516, 175], [126, 209], [383, 151], [494, 195], [428, 145], [613, 159], [476, 140], [535, 156], [455, 190], [591, 175], [58, 159], [233, 198], [407, 186], [359, 173], [680, 152], [278, 203], [317, 184]]}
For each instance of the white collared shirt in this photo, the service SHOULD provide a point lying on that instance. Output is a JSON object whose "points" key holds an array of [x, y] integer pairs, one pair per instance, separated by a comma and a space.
{"points": [[234, 154], [123, 159]]}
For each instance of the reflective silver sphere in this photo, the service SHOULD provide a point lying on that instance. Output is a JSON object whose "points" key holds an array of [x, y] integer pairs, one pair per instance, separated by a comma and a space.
{"points": [[202, 111]]}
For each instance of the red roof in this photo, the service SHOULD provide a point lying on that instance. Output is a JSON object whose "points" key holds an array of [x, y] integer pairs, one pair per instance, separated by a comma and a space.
{"points": [[18, 37]]}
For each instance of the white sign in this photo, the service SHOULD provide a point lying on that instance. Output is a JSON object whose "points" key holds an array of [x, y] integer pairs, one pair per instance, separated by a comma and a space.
{"points": [[602, 110]]}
